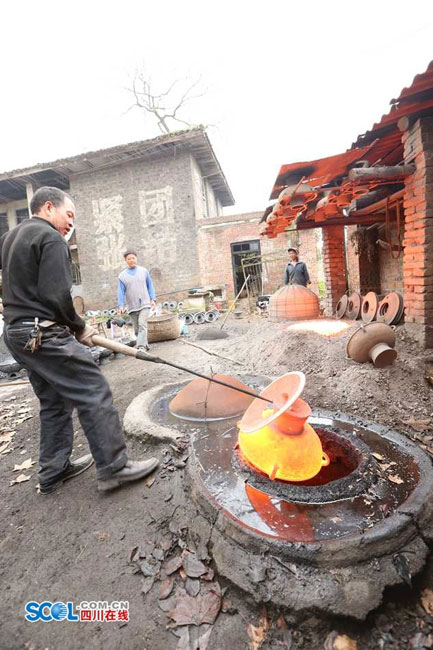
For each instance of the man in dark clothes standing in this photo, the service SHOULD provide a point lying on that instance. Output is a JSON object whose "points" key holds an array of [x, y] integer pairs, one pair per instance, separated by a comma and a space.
{"points": [[40, 321], [296, 272]]}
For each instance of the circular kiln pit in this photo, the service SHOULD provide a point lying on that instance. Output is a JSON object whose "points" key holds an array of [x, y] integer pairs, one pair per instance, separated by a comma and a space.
{"points": [[349, 473], [327, 545]]}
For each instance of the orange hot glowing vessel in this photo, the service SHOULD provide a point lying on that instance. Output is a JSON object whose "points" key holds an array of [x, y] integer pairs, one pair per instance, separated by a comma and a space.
{"points": [[277, 440]]}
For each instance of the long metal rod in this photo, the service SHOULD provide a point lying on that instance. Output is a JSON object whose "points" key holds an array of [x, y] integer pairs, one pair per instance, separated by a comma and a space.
{"points": [[121, 348], [144, 357]]}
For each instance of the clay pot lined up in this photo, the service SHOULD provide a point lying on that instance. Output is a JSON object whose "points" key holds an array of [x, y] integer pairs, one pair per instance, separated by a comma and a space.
{"points": [[384, 309]]}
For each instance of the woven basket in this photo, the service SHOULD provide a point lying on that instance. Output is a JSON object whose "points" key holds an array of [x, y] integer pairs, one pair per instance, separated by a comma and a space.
{"points": [[165, 327]]}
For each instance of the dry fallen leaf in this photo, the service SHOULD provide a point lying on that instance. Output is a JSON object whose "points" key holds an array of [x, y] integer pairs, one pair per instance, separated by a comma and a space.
{"points": [[147, 584], [20, 479], [150, 481], [173, 565], [4, 447], [184, 642], [6, 437], [24, 465], [335, 641], [377, 456], [417, 425], [395, 479], [257, 635], [427, 600], [335, 519], [287, 640], [192, 566], [133, 553], [203, 639], [192, 586], [166, 587], [344, 642], [209, 575], [195, 611]]}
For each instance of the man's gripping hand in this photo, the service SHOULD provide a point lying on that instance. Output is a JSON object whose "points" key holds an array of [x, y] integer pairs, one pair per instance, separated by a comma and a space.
{"points": [[85, 336]]}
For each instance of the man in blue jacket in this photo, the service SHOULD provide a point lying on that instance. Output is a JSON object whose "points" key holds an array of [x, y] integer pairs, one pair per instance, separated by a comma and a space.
{"points": [[135, 289]]}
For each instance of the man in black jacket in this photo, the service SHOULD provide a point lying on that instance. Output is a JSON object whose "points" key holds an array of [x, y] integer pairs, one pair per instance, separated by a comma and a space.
{"points": [[296, 271], [39, 322]]}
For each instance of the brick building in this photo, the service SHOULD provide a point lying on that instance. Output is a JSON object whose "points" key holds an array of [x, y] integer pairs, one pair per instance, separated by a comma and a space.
{"points": [[223, 240], [146, 195], [374, 205]]}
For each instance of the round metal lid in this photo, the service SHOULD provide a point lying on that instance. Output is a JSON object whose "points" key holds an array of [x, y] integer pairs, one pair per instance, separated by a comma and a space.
{"points": [[340, 310], [389, 309], [283, 391], [369, 307], [353, 306]]}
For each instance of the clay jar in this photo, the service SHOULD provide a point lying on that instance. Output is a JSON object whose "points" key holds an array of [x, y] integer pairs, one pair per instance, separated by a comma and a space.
{"points": [[372, 342]]}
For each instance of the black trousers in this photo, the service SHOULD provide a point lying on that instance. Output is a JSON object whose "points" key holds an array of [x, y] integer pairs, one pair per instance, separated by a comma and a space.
{"points": [[64, 376]]}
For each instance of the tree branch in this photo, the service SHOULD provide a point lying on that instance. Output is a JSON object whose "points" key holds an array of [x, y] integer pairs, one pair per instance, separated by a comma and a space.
{"points": [[159, 104]]}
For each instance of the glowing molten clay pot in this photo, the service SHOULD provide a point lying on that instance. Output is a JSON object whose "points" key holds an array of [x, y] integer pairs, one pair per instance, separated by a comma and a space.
{"points": [[277, 440], [203, 400], [293, 302]]}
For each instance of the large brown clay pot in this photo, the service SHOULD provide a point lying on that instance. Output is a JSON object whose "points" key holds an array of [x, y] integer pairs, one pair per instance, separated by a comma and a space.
{"points": [[293, 302], [372, 342], [201, 399]]}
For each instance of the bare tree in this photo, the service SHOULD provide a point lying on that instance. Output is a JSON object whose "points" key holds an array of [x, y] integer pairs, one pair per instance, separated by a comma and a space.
{"points": [[165, 106]]}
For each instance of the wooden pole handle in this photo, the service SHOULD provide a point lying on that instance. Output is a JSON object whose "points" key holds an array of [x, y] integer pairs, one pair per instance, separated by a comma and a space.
{"points": [[114, 346]]}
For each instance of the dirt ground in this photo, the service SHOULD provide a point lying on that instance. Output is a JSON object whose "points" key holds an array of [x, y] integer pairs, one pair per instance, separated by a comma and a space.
{"points": [[77, 544]]}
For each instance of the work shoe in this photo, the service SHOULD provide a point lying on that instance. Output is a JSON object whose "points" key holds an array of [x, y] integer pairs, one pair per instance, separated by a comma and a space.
{"points": [[134, 470], [74, 468]]}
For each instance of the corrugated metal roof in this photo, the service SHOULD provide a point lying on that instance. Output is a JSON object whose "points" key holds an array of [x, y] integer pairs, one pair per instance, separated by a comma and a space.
{"points": [[386, 150], [422, 83], [415, 99], [317, 172], [381, 145]]}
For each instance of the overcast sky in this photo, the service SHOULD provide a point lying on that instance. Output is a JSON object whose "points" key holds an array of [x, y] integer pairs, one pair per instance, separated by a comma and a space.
{"points": [[285, 81]]}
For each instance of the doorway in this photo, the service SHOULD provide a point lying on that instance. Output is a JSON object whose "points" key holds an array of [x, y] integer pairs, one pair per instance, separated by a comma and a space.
{"points": [[242, 250]]}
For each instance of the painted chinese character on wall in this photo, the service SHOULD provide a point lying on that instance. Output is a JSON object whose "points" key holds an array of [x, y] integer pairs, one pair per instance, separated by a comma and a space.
{"points": [[156, 205], [109, 232]]}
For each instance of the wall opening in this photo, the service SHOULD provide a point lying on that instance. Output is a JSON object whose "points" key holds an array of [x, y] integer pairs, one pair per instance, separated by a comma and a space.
{"points": [[239, 251]]}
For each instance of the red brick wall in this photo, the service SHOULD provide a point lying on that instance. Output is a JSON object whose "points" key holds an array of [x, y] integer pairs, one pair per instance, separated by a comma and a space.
{"points": [[418, 232], [216, 235], [334, 266], [352, 261], [391, 270]]}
